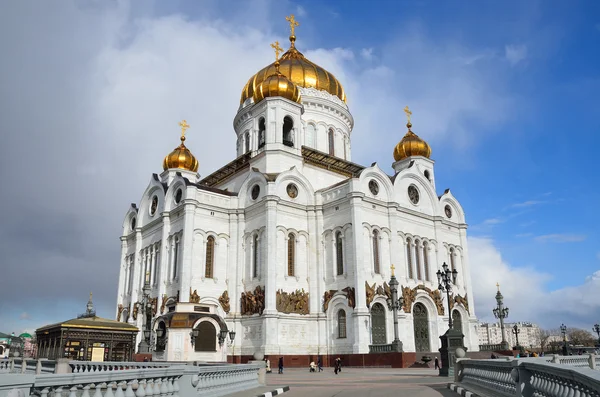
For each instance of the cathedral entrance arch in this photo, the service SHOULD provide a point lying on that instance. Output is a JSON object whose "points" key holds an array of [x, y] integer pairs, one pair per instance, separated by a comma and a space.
{"points": [[206, 338], [456, 320], [378, 331], [421, 328]]}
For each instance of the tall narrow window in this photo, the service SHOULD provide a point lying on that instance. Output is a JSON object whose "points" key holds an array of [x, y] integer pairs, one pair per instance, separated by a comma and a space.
{"points": [[175, 257], [288, 125], [341, 317], [418, 260], [291, 253], [331, 139], [452, 258], [376, 251], [255, 257], [156, 263], [130, 281], [309, 137], [339, 253], [210, 257], [409, 258], [426, 260], [247, 141], [261, 132], [345, 149]]}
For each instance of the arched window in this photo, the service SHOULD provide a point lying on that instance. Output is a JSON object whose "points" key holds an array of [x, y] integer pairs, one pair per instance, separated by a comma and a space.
{"points": [[175, 257], [345, 149], [261, 133], [376, 251], [409, 258], [309, 139], [426, 260], [156, 264], [418, 260], [339, 253], [452, 258], [341, 318], [247, 141], [288, 125], [331, 138], [255, 257], [210, 257], [456, 320], [206, 341], [291, 253]]}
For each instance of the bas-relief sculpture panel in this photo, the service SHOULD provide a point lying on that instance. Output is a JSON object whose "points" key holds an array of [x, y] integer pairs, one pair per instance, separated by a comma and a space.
{"points": [[294, 302]]}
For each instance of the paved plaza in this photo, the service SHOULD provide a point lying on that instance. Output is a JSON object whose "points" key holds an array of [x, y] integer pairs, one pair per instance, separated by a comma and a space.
{"points": [[358, 382]]}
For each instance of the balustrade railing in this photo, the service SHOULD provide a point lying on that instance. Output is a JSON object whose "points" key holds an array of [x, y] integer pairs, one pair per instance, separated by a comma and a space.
{"points": [[491, 348], [92, 366], [488, 375], [380, 348]]}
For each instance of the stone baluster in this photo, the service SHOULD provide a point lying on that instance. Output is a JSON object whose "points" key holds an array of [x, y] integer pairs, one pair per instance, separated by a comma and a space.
{"points": [[176, 387], [86, 390], [109, 389], [129, 391], [73, 391]]}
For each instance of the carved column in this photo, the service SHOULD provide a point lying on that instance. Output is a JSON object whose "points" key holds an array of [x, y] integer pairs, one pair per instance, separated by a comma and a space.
{"points": [[186, 243], [361, 313], [271, 273]]}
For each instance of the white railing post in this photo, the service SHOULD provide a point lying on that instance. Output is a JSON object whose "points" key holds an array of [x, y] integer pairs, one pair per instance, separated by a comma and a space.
{"points": [[38, 367], [592, 360]]}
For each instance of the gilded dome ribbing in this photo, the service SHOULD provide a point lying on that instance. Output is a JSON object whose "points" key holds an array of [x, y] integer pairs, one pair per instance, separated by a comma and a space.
{"points": [[300, 71], [411, 145], [277, 85], [181, 157]]}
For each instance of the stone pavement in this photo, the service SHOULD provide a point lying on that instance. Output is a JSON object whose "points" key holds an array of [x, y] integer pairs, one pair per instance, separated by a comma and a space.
{"points": [[357, 382]]}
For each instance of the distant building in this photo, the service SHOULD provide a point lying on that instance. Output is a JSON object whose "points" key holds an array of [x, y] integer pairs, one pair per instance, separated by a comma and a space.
{"points": [[491, 334]]}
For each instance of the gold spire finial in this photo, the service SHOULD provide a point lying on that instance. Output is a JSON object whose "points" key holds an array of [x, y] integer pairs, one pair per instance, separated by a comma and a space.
{"points": [[293, 24], [277, 49], [393, 268], [90, 295], [408, 113], [184, 126], [498, 286]]}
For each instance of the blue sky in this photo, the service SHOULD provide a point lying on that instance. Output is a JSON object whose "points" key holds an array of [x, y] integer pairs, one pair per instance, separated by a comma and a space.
{"points": [[505, 92]]}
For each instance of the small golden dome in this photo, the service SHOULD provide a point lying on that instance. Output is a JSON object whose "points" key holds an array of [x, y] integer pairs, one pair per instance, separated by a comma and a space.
{"points": [[277, 85], [411, 145], [300, 71], [181, 157]]}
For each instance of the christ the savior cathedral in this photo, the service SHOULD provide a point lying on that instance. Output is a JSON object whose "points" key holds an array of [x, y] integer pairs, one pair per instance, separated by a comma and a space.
{"points": [[287, 250]]}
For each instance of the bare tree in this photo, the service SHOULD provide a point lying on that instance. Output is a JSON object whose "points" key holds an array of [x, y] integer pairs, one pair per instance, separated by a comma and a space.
{"points": [[544, 336], [579, 336]]}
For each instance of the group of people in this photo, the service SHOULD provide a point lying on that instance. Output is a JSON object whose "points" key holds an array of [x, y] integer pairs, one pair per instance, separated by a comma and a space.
{"points": [[312, 367]]}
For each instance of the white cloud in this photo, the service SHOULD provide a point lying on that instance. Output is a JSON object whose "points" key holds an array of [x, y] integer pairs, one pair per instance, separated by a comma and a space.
{"points": [[24, 316], [528, 203], [367, 53], [560, 238], [300, 11], [515, 53], [525, 291], [492, 221]]}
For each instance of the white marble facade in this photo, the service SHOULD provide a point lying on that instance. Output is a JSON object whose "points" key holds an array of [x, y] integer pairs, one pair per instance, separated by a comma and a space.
{"points": [[347, 225]]}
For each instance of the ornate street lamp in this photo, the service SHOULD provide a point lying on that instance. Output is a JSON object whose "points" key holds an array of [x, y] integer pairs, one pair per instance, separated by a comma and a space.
{"points": [[193, 335], [563, 330], [516, 331], [144, 345], [395, 303], [453, 338], [501, 312], [222, 336], [596, 329]]}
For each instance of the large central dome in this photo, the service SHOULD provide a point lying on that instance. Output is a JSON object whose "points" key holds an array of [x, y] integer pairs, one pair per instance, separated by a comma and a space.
{"points": [[301, 71]]}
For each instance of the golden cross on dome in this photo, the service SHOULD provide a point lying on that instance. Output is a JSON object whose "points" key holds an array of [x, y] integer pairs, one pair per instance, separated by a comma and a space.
{"points": [[277, 49], [393, 268], [184, 126], [408, 113], [498, 286], [293, 23]]}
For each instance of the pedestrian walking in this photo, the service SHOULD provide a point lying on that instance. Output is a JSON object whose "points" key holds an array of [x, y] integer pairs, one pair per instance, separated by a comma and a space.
{"points": [[335, 366], [319, 364], [436, 363], [280, 365]]}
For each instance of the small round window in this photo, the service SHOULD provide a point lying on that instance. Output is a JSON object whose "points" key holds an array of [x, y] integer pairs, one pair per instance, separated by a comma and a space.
{"points": [[178, 195], [154, 205], [133, 223], [292, 190], [255, 192], [413, 194], [448, 211], [374, 187]]}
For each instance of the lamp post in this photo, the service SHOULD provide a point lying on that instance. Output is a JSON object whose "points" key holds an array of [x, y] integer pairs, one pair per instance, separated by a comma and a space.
{"points": [[563, 330], [395, 303], [516, 331], [453, 338], [144, 345], [596, 329], [501, 312]]}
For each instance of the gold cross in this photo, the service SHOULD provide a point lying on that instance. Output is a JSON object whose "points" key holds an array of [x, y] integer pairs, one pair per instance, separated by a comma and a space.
{"points": [[293, 23], [393, 268], [408, 113], [498, 286], [277, 49], [184, 126]]}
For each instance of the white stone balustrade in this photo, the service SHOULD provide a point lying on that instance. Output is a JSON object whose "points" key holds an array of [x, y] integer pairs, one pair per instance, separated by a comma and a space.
{"points": [[166, 381], [92, 366], [530, 377]]}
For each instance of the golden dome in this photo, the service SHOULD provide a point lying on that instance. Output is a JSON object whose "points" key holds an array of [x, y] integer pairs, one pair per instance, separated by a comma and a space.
{"points": [[300, 71], [277, 85], [181, 157], [411, 145]]}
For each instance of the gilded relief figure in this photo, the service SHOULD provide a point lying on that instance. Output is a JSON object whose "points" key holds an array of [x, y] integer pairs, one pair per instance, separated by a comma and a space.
{"points": [[164, 303], [327, 297], [154, 305], [370, 292], [350, 295], [387, 291], [194, 297], [224, 301], [253, 302], [409, 296], [119, 311], [462, 301], [295, 302], [136, 307]]}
